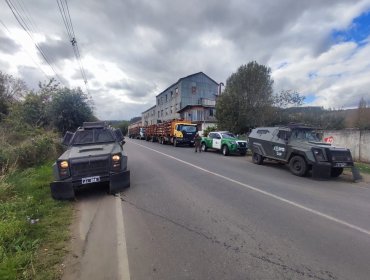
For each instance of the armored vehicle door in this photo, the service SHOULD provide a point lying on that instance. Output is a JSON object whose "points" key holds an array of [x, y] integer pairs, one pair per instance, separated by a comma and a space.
{"points": [[279, 143]]}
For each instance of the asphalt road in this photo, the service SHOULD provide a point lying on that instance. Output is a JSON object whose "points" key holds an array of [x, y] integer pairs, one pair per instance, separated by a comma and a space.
{"points": [[205, 216]]}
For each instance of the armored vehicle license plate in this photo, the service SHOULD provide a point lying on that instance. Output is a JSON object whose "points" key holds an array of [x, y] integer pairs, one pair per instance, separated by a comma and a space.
{"points": [[340, 164], [89, 180]]}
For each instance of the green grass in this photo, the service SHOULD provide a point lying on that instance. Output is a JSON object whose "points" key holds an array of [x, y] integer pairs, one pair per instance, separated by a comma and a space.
{"points": [[363, 167], [32, 251]]}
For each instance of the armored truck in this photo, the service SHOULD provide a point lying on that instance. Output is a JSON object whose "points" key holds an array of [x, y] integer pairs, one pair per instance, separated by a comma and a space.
{"points": [[224, 141], [94, 154], [300, 148]]}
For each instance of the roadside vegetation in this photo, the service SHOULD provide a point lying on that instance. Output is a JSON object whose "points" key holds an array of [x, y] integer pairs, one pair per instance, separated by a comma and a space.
{"points": [[363, 167], [33, 226]]}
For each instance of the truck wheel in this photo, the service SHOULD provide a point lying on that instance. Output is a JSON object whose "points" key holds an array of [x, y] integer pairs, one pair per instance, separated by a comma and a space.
{"points": [[174, 142], [204, 147], [257, 158], [298, 166], [225, 150], [336, 172]]}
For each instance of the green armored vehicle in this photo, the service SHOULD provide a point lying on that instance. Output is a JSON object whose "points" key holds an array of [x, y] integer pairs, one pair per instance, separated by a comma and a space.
{"points": [[94, 155], [300, 147], [224, 141]]}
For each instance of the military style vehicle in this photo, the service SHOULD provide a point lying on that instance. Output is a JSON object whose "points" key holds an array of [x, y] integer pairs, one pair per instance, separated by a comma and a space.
{"points": [[224, 141], [94, 154], [299, 146]]}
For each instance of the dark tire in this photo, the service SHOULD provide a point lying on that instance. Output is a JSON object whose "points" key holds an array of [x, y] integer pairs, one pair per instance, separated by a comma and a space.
{"points": [[257, 158], [225, 150], [298, 166], [336, 172], [203, 147], [175, 142]]}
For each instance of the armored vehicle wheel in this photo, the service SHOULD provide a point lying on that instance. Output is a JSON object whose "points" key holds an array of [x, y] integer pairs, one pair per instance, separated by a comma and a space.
{"points": [[204, 147], [257, 158], [336, 172], [225, 150], [298, 166]]}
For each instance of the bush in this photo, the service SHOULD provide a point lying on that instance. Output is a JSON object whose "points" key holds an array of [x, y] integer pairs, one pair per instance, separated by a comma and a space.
{"points": [[35, 151]]}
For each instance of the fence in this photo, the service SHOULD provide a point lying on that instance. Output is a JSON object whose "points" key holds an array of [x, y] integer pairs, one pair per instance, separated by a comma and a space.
{"points": [[358, 141]]}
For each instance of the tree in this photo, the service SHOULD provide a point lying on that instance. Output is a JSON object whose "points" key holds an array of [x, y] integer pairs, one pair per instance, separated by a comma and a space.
{"points": [[283, 100], [11, 90], [123, 125], [247, 99], [69, 109], [363, 115]]}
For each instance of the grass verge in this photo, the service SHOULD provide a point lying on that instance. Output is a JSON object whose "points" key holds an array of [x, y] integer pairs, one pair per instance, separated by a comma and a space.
{"points": [[363, 167], [34, 229]]}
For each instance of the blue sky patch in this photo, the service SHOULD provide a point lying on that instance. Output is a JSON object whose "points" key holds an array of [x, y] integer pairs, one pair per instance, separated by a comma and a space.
{"points": [[309, 99], [357, 32]]}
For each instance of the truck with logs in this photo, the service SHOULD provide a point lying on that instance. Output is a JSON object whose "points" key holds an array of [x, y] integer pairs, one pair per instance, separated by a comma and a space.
{"points": [[136, 131], [174, 132]]}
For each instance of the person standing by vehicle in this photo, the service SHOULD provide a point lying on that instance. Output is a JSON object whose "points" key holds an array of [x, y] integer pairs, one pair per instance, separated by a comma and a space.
{"points": [[197, 139]]}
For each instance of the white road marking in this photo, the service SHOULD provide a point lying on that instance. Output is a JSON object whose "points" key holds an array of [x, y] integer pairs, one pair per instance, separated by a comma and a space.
{"points": [[122, 258], [367, 232]]}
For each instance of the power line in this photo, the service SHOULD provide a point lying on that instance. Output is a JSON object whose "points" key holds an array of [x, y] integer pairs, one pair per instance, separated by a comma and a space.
{"points": [[34, 61], [64, 11], [27, 28]]}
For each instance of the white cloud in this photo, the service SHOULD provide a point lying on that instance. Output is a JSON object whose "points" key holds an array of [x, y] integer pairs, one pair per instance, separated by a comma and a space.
{"points": [[132, 50]]}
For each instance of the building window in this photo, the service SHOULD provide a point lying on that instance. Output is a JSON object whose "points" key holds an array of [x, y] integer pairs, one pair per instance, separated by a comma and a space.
{"points": [[171, 94], [211, 112], [171, 109], [177, 91], [166, 98], [193, 89], [161, 113]]}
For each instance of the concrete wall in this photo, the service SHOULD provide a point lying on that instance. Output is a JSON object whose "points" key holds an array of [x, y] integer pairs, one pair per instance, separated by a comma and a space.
{"points": [[358, 141]]}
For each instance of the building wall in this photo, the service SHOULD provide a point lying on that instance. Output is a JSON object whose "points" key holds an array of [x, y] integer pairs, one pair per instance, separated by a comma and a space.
{"points": [[149, 116], [355, 140], [188, 91], [196, 88]]}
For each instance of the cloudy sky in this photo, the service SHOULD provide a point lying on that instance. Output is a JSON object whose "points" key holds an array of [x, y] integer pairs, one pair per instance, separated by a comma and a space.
{"points": [[131, 50]]}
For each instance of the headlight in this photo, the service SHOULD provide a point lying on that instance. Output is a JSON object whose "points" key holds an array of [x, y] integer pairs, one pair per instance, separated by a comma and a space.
{"points": [[116, 158], [64, 164], [319, 154], [63, 169], [233, 142]]}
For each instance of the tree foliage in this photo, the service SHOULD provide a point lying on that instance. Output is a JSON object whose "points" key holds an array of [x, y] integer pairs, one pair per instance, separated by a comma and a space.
{"points": [[69, 108], [123, 125], [11, 91], [247, 99], [363, 115]]}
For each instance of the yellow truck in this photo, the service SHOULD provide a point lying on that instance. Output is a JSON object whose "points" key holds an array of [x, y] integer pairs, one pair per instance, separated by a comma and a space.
{"points": [[175, 132]]}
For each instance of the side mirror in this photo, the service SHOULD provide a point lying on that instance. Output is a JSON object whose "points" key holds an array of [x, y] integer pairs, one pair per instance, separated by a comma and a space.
{"points": [[119, 135], [67, 138]]}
